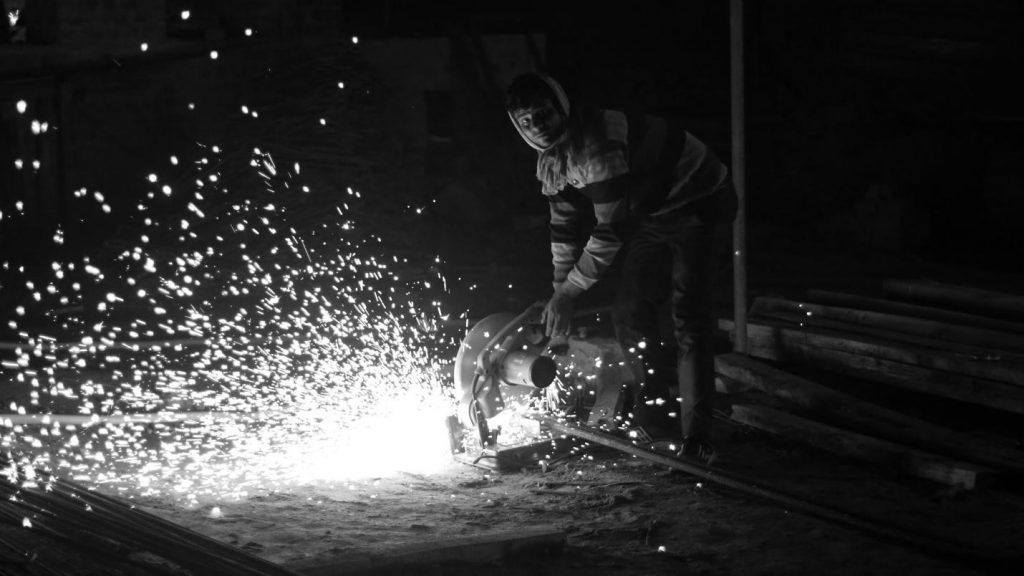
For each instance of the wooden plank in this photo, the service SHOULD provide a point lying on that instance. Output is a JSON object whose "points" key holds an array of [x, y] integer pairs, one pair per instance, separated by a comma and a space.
{"points": [[863, 416], [932, 329], [928, 345], [412, 558], [861, 447], [777, 342], [914, 310], [998, 304], [986, 368]]}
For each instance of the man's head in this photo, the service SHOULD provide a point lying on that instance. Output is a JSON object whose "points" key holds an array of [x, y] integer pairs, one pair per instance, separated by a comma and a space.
{"points": [[538, 107]]}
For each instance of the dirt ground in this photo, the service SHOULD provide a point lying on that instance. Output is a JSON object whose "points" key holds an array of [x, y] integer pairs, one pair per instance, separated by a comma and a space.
{"points": [[624, 515]]}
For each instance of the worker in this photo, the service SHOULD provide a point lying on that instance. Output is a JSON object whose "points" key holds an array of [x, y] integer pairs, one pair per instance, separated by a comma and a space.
{"points": [[643, 186]]}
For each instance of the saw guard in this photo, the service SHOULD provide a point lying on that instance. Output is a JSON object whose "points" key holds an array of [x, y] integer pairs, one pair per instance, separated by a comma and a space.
{"points": [[478, 387], [499, 355]]}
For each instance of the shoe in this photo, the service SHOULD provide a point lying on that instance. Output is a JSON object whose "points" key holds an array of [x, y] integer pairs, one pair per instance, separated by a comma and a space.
{"points": [[698, 450]]}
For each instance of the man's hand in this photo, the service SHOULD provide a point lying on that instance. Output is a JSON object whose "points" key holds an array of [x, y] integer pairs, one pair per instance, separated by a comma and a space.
{"points": [[557, 314]]}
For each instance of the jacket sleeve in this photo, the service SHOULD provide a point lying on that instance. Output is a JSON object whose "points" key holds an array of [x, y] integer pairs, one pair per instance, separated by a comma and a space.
{"points": [[566, 227], [604, 170], [611, 211]]}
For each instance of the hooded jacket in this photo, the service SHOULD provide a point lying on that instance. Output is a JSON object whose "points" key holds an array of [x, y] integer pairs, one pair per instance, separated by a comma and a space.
{"points": [[618, 167]]}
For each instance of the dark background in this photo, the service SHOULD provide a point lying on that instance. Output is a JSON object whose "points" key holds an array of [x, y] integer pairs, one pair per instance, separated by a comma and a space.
{"points": [[890, 125], [873, 126]]}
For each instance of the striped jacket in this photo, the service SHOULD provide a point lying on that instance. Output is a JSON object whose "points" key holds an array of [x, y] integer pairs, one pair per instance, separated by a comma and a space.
{"points": [[617, 167]]}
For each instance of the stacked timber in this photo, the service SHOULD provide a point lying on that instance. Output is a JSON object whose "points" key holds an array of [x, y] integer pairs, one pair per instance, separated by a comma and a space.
{"points": [[963, 347]]}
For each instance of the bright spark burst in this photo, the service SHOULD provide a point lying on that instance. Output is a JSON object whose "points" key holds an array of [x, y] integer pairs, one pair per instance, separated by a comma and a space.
{"points": [[236, 357]]}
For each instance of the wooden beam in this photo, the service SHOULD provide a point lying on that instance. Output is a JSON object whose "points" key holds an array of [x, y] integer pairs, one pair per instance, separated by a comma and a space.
{"points": [[847, 356], [866, 417], [998, 304], [412, 558], [978, 339], [927, 345], [861, 447], [776, 332], [913, 310]]}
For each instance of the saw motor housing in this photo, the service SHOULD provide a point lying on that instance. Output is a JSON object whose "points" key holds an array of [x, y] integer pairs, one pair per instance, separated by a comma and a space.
{"points": [[507, 358]]}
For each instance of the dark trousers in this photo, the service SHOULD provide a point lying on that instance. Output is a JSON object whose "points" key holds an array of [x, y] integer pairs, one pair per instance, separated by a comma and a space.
{"points": [[672, 257]]}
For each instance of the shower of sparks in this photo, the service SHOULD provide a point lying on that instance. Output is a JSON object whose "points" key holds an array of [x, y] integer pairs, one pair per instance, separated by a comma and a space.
{"points": [[225, 353]]}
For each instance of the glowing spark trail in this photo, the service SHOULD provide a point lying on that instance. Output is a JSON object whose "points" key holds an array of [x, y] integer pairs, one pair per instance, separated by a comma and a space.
{"points": [[227, 353]]}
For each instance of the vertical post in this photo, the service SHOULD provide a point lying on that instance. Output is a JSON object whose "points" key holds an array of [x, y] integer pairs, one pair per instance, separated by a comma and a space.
{"points": [[739, 228]]}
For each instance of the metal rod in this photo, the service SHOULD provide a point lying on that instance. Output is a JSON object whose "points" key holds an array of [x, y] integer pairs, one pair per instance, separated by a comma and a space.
{"points": [[737, 482], [739, 227]]}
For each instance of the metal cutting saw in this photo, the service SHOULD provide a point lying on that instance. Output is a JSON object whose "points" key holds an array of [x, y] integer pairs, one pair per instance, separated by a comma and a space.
{"points": [[506, 369]]}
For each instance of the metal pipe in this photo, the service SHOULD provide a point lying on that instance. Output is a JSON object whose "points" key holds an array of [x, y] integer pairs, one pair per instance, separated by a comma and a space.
{"points": [[528, 368], [739, 227]]}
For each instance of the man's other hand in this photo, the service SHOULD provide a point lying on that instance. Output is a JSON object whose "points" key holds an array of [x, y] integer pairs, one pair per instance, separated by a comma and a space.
{"points": [[557, 315]]}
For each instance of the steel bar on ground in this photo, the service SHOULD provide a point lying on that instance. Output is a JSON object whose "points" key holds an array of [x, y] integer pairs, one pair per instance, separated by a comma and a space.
{"points": [[735, 481], [75, 507]]}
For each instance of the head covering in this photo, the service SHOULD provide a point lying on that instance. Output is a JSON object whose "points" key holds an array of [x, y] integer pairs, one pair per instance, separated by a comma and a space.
{"points": [[552, 159], [556, 95]]}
